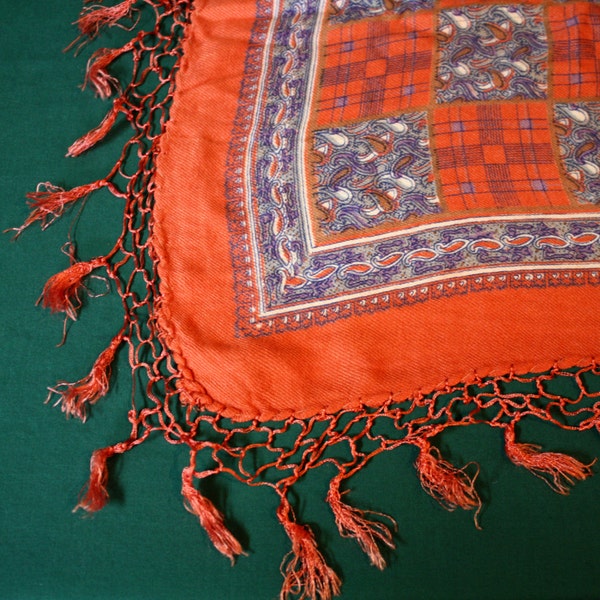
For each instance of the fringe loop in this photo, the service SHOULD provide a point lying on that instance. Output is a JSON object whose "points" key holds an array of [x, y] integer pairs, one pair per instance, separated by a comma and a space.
{"points": [[559, 471], [76, 397], [210, 517], [352, 522], [305, 572]]}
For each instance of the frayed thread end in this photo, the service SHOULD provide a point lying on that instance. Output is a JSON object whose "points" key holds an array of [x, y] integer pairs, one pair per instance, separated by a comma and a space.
{"points": [[559, 471], [451, 487], [210, 518], [353, 523], [95, 496], [75, 398], [90, 139], [97, 75], [49, 201], [304, 570], [94, 18], [61, 292]]}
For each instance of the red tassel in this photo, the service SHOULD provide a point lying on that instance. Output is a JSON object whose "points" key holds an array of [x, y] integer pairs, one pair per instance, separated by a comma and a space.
{"points": [[60, 294], [451, 487], [97, 76], [559, 471], [352, 522], [94, 18], [96, 495], [91, 138], [210, 517], [76, 397], [48, 202], [305, 571]]}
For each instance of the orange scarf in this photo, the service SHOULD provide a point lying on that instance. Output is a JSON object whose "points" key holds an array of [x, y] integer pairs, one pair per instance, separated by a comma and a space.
{"points": [[349, 226]]}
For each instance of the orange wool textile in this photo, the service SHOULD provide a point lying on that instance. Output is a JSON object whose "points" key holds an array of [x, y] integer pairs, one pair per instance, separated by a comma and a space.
{"points": [[346, 215]]}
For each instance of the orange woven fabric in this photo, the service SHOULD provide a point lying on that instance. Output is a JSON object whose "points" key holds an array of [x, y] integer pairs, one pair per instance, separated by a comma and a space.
{"points": [[419, 335]]}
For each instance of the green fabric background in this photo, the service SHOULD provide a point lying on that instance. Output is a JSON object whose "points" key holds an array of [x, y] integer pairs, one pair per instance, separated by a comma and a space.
{"points": [[534, 543]]}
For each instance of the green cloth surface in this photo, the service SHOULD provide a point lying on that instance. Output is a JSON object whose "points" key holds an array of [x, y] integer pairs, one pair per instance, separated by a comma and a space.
{"points": [[534, 543]]}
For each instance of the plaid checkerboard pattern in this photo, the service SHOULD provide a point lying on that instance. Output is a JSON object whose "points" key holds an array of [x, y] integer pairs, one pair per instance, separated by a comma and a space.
{"points": [[576, 34], [375, 67], [496, 156]]}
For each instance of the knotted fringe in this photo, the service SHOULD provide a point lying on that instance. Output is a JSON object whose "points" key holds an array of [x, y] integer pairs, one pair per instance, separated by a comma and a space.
{"points": [[210, 517], [75, 398], [97, 76], [352, 522], [48, 202], [559, 471], [451, 487], [94, 18], [91, 138], [95, 496], [304, 570], [61, 292]]}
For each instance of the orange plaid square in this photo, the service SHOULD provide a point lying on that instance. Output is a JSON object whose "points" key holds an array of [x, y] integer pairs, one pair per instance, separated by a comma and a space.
{"points": [[576, 34], [496, 156], [376, 67]]}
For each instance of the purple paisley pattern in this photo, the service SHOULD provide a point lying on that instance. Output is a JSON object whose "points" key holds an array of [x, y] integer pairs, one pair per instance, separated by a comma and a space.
{"points": [[343, 11], [492, 53], [578, 132], [374, 172]]}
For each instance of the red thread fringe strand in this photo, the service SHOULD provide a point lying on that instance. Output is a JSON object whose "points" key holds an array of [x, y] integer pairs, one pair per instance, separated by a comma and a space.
{"points": [[76, 397], [352, 522], [48, 202], [94, 18], [61, 292], [451, 487], [210, 517], [559, 471], [304, 570], [90, 139], [97, 76]]}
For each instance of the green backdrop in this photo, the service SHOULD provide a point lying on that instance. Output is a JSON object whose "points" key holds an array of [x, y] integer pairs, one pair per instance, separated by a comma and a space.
{"points": [[534, 543]]}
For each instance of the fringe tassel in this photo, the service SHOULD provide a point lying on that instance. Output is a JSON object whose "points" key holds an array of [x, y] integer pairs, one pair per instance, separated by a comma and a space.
{"points": [[352, 522], [559, 471], [451, 487], [76, 397], [210, 517], [48, 202], [96, 495], [305, 572], [97, 76], [93, 18], [91, 138], [60, 294]]}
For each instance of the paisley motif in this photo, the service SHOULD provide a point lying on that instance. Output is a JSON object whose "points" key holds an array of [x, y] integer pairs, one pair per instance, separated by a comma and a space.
{"points": [[578, 127], [492, 53], [373, 172]]}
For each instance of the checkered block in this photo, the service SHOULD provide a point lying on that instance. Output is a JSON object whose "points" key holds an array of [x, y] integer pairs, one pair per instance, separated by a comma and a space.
{"points": [[576, 57], [376, 67], [496, 155]]}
